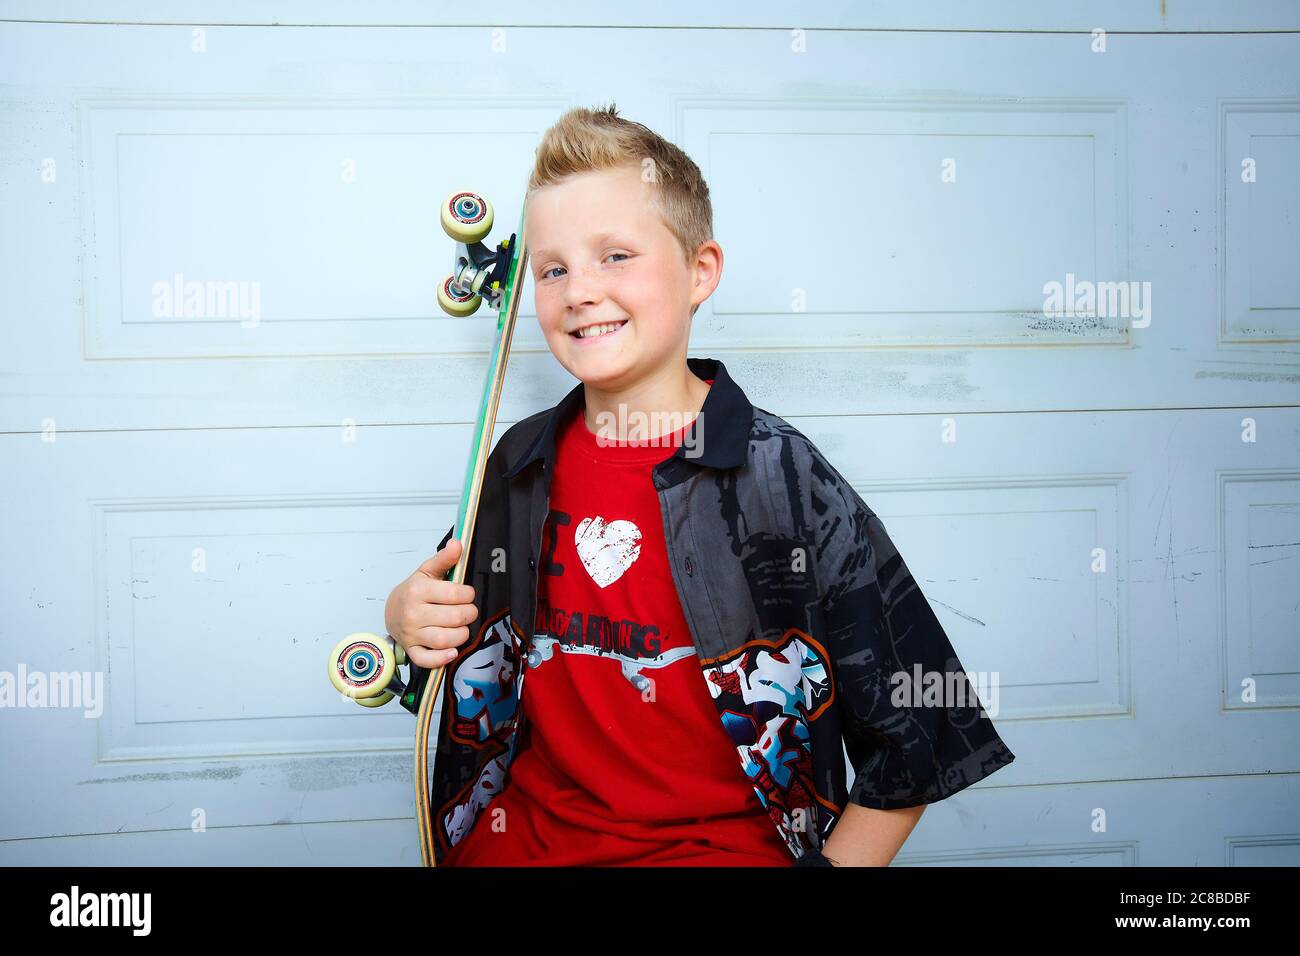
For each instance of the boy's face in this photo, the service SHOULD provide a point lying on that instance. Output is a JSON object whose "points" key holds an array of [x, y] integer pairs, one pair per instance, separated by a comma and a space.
{"points": [[598, 254]]}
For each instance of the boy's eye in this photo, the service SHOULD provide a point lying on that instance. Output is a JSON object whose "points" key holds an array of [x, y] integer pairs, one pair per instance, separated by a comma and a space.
{"points": [[547, 273]]}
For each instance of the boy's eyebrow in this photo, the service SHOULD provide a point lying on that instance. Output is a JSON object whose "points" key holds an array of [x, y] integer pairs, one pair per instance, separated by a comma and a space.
{"points": [[595, 240]]}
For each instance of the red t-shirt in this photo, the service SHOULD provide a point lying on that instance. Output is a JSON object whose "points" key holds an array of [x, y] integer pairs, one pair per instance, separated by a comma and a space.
{"points": [[626, 761]]}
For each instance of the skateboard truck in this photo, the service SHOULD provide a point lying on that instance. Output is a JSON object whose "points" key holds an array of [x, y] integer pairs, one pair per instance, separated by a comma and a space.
{"points": [[480, 274]]}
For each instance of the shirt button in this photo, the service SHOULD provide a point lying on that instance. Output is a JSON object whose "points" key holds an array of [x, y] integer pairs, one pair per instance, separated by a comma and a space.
{"points": [[532, 563], [690, 566]]}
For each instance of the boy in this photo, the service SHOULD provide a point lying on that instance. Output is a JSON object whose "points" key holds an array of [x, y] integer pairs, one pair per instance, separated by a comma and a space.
{"points": [[709, 613]]}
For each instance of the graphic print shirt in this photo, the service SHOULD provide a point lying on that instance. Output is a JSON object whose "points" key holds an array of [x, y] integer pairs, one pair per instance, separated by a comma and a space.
{"points": [[626, 761]]}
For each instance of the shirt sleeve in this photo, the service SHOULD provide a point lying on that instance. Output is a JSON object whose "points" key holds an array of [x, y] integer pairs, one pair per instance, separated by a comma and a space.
{"points": [[913, 726]]}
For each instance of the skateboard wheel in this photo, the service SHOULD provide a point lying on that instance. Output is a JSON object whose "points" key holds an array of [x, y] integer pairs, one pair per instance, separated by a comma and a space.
{"points": [[361, 665], [466, 216], [453, 303], [379, 701]]}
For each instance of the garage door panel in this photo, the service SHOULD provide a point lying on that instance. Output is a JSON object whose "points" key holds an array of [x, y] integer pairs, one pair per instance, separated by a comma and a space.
{"points": [[319, 223]]}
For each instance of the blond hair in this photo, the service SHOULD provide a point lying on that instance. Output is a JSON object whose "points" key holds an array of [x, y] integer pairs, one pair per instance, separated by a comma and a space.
{"points": [[584, 139]]}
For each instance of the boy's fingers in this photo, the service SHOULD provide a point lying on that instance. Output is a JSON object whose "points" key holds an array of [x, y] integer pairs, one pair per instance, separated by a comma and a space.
{"points": [[425, 591], [440, 636], [439, 615], [429, 659]]}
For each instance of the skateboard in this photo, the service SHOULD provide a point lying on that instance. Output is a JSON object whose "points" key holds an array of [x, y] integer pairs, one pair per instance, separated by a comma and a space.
{"points": [[364, 666]]}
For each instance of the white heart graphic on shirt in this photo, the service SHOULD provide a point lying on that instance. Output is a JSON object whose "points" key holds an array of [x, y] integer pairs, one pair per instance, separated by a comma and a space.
{"points": [[607, 548]]}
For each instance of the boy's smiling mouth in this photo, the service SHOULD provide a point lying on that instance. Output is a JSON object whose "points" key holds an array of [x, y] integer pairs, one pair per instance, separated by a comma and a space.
{"points": [[597, 331]]}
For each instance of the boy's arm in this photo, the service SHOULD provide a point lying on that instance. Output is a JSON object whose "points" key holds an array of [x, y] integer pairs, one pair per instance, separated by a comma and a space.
{"points": [[867, 837]]}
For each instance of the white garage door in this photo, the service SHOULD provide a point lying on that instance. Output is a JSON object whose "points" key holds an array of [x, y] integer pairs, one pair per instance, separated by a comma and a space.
{"points": [[1103, 508]]}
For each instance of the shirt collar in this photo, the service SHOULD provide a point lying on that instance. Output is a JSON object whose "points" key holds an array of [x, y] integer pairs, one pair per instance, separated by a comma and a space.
{"points": [[725, 420]]}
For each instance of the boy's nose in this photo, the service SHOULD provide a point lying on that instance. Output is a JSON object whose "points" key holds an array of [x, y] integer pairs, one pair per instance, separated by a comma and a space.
{"points": [[583, 288]]}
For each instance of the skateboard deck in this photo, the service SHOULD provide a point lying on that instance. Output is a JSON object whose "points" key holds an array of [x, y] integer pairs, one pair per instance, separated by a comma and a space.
{"points": [[364, 666]]}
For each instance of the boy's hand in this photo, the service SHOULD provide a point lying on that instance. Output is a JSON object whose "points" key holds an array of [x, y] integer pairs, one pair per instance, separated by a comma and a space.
{"points": [[428, 616]]}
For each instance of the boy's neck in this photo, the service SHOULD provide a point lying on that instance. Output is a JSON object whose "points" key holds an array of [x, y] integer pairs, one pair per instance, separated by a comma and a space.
{"points": [[656, 405]]}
